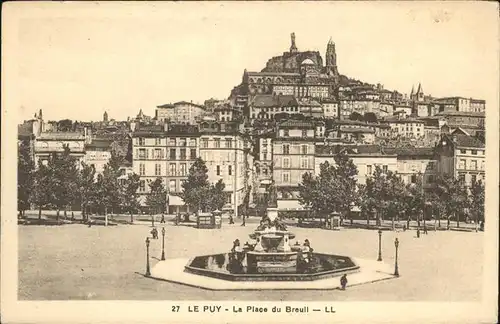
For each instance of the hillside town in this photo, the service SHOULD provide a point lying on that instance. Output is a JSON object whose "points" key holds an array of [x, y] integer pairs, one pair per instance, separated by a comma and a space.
{"points": [[276, 125]]}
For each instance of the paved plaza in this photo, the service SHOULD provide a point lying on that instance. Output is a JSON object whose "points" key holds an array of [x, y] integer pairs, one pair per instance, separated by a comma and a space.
{"points": [[73, 262]]}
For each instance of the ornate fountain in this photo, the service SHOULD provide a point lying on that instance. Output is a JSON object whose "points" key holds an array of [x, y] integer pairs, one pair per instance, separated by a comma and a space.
{"points": [[271, 257]]}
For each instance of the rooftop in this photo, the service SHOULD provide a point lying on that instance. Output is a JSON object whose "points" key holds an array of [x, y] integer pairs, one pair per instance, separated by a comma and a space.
{"points": [[410, 151], [462, 140], [263, 101], [61, 136], [461, 113]]}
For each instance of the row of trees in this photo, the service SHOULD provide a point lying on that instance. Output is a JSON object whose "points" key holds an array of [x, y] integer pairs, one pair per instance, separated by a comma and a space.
{"points": [[59, 184], [385, 194]]}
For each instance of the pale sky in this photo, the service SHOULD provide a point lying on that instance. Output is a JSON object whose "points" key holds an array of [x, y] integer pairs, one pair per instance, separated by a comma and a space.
{"points": [[76, 60]]}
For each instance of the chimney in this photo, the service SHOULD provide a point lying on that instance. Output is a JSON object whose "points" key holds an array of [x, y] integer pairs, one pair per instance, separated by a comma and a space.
{"points": [[132, 126], [165, 126]]}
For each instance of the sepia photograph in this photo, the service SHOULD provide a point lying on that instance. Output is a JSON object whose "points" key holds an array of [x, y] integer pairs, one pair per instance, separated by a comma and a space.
{"points": [[238, 161]]}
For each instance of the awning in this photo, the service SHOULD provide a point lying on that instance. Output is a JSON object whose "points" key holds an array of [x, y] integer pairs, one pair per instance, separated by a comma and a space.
{"points": [[175, 201], [289, 205]]}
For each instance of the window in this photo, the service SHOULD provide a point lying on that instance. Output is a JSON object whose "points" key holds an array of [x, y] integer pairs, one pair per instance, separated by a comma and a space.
{"points": [[157, 169], [473, 165], [286, 177], [304, 163], [217, 142], [182, 169], [286, 149], [172, 169], [192, 142], [264, 171], [304, 133], [430, 179], [172, 154], [368, 169], [204, 143], [230, 169], [183, 154], [172, 185], [286, 132], [218, 170], [430, 165], [303, 149], [474, 152], [463, 151], [462, 164], [171, 142], [473, 178], [142, 154], [142, 169], [413, 178], [157, 154], [157, 141], [286, 163], [142, 186], [193, 154], [384, 168], [182, 142], [141, 141], [461, 178], [229, 142]]}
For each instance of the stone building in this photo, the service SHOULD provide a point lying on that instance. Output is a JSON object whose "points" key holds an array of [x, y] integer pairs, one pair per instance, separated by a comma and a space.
{"points": [[293, 155], [181, 112], [461, 156]]}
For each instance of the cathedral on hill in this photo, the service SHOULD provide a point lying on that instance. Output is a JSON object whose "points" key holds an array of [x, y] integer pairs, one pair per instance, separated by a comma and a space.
{"points": [[296, 73]]}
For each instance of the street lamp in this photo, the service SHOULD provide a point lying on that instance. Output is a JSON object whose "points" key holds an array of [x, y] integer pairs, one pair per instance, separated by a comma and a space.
{"points": [[163, 244], [379, 245], [148, 271], [396, 269]]}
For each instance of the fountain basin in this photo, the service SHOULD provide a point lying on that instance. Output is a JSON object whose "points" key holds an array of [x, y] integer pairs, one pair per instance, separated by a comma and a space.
{"points": [[235, 267]]}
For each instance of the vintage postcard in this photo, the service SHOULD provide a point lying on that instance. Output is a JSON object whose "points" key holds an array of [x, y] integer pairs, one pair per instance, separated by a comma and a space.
{"points": [[246, 162]]}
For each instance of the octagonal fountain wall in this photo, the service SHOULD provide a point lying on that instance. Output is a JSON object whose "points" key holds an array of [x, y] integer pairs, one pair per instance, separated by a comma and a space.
{"points": [[271, 257]]}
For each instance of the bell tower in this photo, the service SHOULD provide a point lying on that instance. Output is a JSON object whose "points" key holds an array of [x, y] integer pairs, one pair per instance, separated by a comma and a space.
{"points": [[331, 59], [293, 47]]}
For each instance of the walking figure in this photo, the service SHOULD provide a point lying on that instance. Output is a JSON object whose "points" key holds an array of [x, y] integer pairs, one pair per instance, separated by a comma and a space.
{"points": [[404, 227], [154, 233], [90, 222], [162, 219], [231, 219], [343, 281], [425, 229], [244, 221]]}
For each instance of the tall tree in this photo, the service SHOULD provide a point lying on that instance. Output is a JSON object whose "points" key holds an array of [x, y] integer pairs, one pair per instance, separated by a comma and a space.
{"points": [[130, 196], [345, 177], [453, 193], [395, 192], [217, 195], [109, 189], [43, 190], [65, 179], [25, 177], [157, 198], [415, 198], [477, 201], [87, 187], [195, 190]]}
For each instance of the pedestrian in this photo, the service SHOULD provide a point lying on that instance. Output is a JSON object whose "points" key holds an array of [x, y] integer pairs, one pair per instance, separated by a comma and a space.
{"points": [[343, 281], [404, 227], [425, 229], [231, 219], [244, 221], [90, 222], [162, 219]]}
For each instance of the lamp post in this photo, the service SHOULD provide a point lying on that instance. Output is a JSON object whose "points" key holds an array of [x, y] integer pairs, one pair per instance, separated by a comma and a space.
{"points": [[148, 271], [379, 245], [396, 269], [163, 244]]}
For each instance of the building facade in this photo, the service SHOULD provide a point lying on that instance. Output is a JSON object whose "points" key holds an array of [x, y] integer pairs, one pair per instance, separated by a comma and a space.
{"points": [[181, 112]]}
